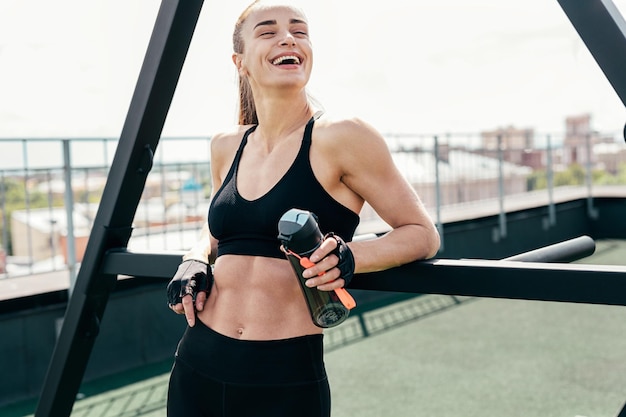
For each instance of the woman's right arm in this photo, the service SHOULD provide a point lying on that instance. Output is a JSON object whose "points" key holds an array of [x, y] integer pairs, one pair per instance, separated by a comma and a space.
{"points": [[223, 149], [205, 248]]}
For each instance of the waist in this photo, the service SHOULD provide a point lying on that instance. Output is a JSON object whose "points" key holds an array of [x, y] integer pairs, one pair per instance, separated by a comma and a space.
{"points": [[256, 298], [293, 360]]}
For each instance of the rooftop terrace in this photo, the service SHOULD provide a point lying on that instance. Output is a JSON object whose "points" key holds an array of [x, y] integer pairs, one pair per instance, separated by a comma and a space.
{"points": [[439, 355]]}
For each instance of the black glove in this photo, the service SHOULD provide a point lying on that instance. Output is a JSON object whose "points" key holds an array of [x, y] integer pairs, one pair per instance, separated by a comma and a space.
{"points": [[191, 278], [346, 259]]}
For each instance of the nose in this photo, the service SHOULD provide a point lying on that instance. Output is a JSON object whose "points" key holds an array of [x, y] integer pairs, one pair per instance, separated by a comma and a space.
{"points": [[288, 40]]}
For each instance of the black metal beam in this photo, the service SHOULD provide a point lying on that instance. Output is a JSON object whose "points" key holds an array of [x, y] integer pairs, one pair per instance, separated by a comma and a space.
{"points": [[593, 284], [166, 53], [564, 252], [120, 261], [517, 277], [603, 30]]}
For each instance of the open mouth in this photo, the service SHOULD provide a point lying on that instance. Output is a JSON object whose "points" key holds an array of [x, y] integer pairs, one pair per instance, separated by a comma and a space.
{"points": [[286, 60]]}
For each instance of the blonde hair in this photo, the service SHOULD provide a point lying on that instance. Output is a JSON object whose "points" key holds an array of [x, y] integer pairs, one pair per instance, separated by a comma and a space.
{"points": [[247, 108]]}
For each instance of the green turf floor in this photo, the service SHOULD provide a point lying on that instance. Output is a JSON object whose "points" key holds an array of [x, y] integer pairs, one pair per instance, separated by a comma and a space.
{"points": [[441, 356]]}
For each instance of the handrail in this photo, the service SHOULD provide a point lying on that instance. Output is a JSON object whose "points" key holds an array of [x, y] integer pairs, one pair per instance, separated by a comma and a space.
{"points": [[564, 252], [534, 275]]}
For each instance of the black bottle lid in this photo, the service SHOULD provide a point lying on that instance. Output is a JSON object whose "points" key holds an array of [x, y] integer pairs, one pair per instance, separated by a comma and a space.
{"points": [[298, 231]]}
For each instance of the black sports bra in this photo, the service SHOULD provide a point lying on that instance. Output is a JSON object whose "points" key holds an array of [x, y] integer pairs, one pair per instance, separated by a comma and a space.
{"points": [[250, 227]]}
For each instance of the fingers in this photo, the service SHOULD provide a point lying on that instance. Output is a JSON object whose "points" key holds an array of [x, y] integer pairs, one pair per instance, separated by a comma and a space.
{"points": [[324, 275], [200, 300], [321, 268], [187, 307], [323, 262], [332, 285], [177, 308], [190, 313], [325, 248]]}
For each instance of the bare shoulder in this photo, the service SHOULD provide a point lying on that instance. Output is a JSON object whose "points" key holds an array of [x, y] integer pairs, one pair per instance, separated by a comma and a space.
{"points": [[223, 148], [352, 129], [350, 138], [225, 144], [224, 141]]}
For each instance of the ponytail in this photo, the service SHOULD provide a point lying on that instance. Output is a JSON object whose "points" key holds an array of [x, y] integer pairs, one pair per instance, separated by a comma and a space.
{"points": [[247, 108]]}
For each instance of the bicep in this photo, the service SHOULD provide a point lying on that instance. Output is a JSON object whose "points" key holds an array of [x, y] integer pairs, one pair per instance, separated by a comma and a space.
{"points": [[373, 175]]}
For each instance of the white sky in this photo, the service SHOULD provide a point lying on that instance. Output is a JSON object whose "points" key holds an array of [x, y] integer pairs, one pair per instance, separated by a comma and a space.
{"points": [[69, 67]]}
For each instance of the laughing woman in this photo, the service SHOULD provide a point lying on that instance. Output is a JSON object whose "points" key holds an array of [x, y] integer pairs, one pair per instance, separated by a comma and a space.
{"points": [[251, 348]]}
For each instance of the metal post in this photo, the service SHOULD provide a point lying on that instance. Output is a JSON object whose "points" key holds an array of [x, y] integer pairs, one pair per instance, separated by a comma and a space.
{"points": [[164, 232], [591, 211], [69, 214], [502, 215], [53, 222], [29, 234], [550, 179], [438, 195], [171, 36], [5, 218]]}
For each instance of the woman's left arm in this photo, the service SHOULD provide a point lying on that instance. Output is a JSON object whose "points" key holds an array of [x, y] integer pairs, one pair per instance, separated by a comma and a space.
{"points": [[371, 173], [367, 169]]}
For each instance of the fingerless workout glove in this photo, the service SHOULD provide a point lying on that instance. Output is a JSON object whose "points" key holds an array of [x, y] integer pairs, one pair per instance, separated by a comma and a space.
{"points": [[191, 278], [346, 259]]}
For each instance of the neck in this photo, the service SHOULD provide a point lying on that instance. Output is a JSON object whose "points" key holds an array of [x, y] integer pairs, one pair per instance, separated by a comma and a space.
{"points": [[281, 115]]}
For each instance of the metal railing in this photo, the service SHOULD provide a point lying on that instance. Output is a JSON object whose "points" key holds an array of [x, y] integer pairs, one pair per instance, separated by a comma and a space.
{"points": [[50, 188]]}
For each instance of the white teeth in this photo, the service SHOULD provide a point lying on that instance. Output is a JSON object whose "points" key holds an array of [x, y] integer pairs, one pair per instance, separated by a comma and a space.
{"points": [[282, 59]]}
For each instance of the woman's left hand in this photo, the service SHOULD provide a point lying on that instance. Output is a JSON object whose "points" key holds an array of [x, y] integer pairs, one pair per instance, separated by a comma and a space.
{"points": [[334, 265]]}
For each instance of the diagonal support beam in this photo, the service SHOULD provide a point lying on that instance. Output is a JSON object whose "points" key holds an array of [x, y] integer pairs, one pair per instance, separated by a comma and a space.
{"points": [[603, 30], [166, 53]]}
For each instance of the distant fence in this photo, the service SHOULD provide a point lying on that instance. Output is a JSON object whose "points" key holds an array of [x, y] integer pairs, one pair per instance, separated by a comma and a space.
{"points": [[50, 188]]}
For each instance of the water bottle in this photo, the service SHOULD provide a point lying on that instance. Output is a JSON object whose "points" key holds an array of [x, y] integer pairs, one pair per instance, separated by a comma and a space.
{"points": [[300, 236]]}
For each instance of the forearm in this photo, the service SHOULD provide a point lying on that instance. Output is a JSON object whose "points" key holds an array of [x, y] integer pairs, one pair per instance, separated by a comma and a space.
{"points": [[201, 251], [401, 245]]}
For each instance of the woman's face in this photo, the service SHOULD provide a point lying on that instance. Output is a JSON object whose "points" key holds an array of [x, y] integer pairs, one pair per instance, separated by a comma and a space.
{"points": [[277, 49]]}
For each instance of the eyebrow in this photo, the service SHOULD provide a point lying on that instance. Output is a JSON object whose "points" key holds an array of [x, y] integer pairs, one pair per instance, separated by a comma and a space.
{"points": [[273, 22]]}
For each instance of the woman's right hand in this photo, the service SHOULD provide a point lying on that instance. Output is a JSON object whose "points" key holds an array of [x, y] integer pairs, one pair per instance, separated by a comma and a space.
{"points": [[188, 289]]}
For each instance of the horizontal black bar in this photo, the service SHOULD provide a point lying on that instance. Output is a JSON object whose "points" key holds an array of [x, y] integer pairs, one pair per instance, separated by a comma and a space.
{"points": [[120, 261], [562, 252], [141, 264], [580, 283], [593, 284]]}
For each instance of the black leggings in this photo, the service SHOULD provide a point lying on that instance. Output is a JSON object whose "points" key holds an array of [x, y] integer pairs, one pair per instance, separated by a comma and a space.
{"points": [[218, 376]]}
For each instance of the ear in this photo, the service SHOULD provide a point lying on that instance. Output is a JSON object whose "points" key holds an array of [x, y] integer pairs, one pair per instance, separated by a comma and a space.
{"points": [[238, 61]]}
